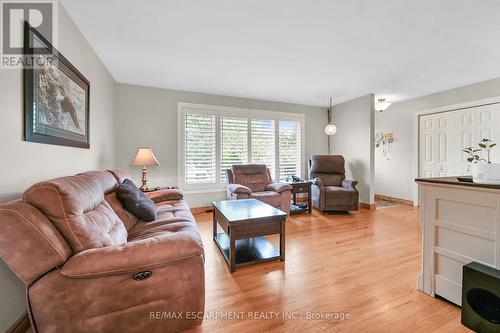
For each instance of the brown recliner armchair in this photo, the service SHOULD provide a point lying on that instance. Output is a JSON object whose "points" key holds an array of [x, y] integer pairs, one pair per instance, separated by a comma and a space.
{"points": [[254, 181], [330, 190]]}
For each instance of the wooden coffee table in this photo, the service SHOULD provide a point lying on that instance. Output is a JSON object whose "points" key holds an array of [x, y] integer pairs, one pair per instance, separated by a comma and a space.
{"points": [[245, 223]]}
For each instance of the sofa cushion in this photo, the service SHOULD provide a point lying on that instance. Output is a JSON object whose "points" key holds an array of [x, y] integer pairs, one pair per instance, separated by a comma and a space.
{"points": [[77, 207], [136, 202], [168, 212], [128, 219], [152, 248], [269, 197]]}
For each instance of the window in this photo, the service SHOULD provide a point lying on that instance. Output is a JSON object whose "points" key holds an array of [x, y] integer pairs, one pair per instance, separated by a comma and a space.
{"points": [[234, 143], [199, 147], [263, 143], [289, 149], [215, 138]]}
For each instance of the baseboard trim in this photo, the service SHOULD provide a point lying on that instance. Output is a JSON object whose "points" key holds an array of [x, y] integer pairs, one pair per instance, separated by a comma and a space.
{"points": [[201, 210], [393, 199], [22, 325], [367, 206]]}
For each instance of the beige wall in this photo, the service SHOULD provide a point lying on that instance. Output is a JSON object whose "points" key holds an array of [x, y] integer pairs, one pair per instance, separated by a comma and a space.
{"points": [[148, 116], [394, 177], [354, 140], [24, 163]]}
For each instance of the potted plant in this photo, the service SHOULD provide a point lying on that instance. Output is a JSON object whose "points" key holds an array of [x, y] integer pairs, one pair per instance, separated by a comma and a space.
{"points": [[487, 172]]}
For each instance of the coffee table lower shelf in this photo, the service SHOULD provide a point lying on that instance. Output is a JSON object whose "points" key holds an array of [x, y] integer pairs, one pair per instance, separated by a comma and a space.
{"points": [[247, 251]]}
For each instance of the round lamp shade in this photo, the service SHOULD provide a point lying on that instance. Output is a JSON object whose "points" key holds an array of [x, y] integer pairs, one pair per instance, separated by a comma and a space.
{"points": [[330, 129]]}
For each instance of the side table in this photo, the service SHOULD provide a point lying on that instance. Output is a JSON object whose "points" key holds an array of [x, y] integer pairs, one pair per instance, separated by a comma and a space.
{"points": [[300, 187]]}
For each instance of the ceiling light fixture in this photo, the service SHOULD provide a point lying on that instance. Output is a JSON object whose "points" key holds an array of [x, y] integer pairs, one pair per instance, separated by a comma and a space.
{"points": [[381, 105], [330, 129]]}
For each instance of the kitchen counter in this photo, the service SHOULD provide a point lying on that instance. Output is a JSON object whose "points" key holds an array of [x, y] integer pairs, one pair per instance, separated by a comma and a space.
{"points": [[460, 223], [455, 181]]}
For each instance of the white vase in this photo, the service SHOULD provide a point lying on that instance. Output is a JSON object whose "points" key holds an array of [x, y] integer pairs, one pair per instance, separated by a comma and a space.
{"points": [[484, 173]]}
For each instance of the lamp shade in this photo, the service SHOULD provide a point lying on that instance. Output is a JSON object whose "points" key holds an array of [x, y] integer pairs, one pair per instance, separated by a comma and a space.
{"points": [[330, 129], [145, 157]]}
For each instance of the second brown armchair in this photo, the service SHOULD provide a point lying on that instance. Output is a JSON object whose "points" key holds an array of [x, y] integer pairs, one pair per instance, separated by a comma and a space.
{"points": [[330, 190], [254, 181]]}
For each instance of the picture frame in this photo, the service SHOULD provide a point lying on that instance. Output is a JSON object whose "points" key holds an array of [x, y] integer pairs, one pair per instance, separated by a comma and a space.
{"points": [[56, 95]]}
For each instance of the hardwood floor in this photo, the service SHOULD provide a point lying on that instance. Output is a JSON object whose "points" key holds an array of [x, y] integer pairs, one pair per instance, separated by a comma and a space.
{"points": [[364, 264]]}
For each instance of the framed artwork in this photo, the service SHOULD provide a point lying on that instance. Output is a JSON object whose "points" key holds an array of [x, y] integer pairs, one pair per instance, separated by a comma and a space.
{"points": [[56, 95]]}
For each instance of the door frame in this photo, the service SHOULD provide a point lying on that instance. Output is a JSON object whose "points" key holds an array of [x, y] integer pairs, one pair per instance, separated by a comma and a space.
{"points": [[416, 131]]}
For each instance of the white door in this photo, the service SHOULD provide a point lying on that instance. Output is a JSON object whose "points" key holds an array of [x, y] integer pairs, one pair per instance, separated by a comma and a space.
{"points": [[435, 146], [476, 124], [442, 136]]}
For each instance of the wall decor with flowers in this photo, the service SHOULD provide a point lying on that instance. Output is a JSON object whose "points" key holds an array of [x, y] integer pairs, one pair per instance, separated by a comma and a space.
{"points": [[384, 141]]}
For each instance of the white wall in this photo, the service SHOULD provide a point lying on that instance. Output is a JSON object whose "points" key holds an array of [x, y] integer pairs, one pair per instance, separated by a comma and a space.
{"points": [[354, 140], [25, 163], [394, 177], [148, 117]]}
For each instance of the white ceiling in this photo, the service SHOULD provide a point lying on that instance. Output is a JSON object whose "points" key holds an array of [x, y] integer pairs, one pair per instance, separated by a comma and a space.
{"points": [[295, 51]]}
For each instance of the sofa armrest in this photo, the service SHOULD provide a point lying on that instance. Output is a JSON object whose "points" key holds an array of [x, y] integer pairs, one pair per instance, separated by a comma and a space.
{"points": [[238, 189], [278, 187], [318, 182], [135, 256], [165, 195], [349, 184]]}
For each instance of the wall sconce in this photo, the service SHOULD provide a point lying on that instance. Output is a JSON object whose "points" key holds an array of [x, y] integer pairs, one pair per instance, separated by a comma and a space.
{"points": [[381, 105]]}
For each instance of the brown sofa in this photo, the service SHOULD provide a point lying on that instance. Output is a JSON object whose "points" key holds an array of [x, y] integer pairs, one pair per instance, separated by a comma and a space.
{"points": [[254, 181], [330, 190], [91, 266]]}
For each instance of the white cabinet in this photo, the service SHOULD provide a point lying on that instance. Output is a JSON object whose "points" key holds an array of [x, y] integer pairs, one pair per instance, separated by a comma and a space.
{"points": [[460, 224], [442, 136]]}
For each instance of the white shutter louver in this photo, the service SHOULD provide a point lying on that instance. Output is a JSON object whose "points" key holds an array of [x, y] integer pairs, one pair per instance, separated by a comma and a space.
{"points": [[200, 148], [289, 149], [263, 143], [234, 143]]}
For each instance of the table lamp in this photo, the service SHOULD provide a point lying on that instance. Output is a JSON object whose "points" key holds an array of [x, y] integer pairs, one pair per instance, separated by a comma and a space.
{"points": [[145, 157]]}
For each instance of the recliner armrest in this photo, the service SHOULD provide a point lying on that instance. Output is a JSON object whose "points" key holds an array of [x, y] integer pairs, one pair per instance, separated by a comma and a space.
{"points": [[165, 195], [349, 184], [278, 187], [238, 189], [134, 256]]}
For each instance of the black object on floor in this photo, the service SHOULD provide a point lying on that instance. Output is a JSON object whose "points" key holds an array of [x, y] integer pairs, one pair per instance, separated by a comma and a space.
{"points": [[481, 298]]}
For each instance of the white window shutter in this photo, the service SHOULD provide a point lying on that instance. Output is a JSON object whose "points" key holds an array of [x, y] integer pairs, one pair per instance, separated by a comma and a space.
{"points": [[200, 149], [234, 143], [263, 143], [289, 149]]}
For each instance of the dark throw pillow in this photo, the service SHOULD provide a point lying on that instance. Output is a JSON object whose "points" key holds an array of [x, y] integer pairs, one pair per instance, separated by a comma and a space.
{"points": [[136, 202]]}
